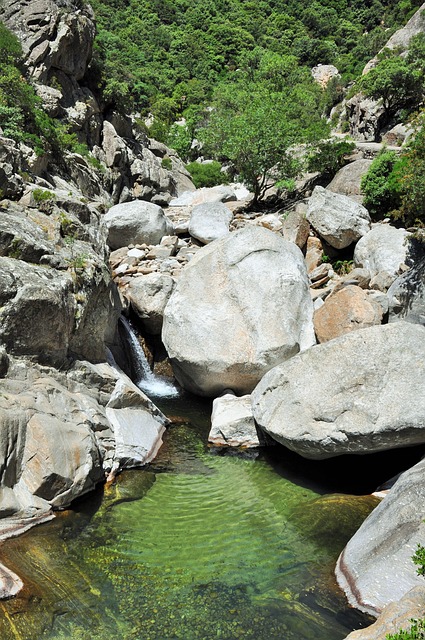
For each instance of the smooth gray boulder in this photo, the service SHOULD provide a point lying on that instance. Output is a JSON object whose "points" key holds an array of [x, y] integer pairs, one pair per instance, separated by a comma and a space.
{"points": [[337, 218], [359, 393], [148, 297], [241, 306], [384, 248], [136, 222], [407, 295], [376, 566], [210, 221], [232, 422]]}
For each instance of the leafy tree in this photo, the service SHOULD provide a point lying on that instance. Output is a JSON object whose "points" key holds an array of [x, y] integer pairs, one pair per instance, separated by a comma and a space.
{"points": [[256, 130], [395, 81]]}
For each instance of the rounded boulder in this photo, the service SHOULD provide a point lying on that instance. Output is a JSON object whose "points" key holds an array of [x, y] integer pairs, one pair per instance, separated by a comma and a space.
{"points": [[241, 306]]}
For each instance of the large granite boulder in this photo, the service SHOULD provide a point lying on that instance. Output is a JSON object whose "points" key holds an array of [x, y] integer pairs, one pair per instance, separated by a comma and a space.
{"points": [[136, 222], [148, 296], [347, 310], [210, 221], [336, 218], [241, 306], [376, 566], [383, 249], [407, 295], [221, 193], [359, 393], [395, 616], [348, 179]]}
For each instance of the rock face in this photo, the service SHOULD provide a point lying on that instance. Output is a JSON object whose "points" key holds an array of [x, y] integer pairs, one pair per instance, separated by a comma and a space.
{"points": [[323, 73], [395, 616], [359, 393], [53, 40], [366, 118], [383, 249], [336, 218], [61, 432], [346, 310], [232, 422], [209, 221], [136, 222], [407, 295], [240, 306], [376, 566]]}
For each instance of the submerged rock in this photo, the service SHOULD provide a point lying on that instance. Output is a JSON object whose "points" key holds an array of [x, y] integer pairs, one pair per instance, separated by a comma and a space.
{"points": [[359, 393], [240, 306]]}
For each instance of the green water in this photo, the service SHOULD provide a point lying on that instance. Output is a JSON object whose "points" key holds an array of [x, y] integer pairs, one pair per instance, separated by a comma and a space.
{"points": [[197, 546]]}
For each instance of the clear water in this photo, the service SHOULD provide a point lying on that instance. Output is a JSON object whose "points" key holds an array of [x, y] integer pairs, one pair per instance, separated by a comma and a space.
{"points": [[197, 546]]}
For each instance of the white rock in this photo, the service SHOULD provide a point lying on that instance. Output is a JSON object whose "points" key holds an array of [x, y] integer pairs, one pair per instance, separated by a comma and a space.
{"points": [[384, 248], [232, 422], [336, 218], [210, 221]]}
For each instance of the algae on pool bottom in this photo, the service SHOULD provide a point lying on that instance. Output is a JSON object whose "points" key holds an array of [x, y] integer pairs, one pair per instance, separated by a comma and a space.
{"points": [[200, 546]]}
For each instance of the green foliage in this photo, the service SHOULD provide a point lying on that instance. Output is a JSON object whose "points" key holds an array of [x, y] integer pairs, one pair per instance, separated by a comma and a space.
{"points": [[148, 51], [419, 560], [395, 185], [10, 47], [416, 632], [395, 81], [166, 163], [381, 191], [256, 129], [42, 195], [398, 81], [206, 175], [329, 156]]}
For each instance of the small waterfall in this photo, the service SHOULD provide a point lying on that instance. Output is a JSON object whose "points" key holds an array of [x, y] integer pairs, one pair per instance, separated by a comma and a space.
{"points": [[146, 380]]}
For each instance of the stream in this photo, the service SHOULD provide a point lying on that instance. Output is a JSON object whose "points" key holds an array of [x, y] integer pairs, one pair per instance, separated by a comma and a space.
{"points": [[198, 545]]}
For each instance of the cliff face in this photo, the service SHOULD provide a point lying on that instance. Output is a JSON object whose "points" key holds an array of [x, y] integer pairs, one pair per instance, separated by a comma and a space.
{"points": [[67, 417]]}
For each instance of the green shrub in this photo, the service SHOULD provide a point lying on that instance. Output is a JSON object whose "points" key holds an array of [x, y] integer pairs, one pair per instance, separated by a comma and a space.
{"points": [[329, 156], [206, 175], [381, 191], [42, 195], [166, 163]]}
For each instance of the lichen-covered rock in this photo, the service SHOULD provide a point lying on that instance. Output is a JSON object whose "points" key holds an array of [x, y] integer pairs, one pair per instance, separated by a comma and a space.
{"points": [[359, 393], [148, 296], [240, 306], [347, 181], [52, 39], [394, 617], [406, 295], [336, 218]]}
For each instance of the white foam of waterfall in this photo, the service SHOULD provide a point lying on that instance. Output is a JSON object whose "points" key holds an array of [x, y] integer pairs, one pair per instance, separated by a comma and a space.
{"points": [[146, 380]]}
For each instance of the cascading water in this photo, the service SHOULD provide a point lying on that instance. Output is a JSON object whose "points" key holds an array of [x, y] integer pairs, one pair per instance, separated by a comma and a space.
{"points": [[146, 380]]}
